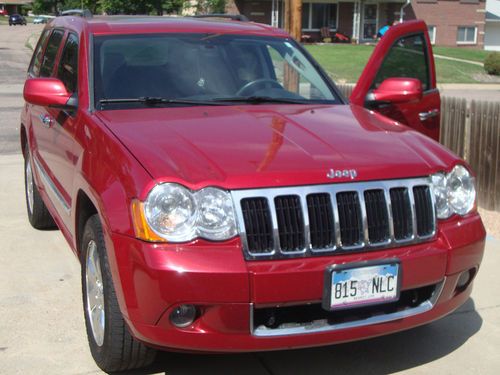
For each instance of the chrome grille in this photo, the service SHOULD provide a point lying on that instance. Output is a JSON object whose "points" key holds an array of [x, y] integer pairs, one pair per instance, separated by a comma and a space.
{"points": [[325, 219]]}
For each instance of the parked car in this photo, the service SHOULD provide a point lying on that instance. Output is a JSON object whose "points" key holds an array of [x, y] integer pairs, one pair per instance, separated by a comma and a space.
{"points": [[17, 19], [223, 196], [3, 12], [39, 20]]}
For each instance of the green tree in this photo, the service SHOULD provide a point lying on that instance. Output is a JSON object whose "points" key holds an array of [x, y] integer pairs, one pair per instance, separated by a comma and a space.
{"points": [[211, 6], [44, 6], [173, 6], [112, 6], [93, 5]]}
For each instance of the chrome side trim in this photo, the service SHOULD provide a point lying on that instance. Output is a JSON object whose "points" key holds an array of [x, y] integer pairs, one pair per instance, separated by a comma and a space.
{"points": [[322, 326], [333, 189], [52, 189]]}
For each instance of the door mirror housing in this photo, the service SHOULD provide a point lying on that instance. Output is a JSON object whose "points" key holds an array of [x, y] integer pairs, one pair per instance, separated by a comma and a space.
{"points": [[396, 90], [48, 92]]}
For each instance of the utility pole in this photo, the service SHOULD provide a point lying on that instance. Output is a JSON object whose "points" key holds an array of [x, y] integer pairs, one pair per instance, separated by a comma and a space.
{"points": [[293, 18], [293, 25]]}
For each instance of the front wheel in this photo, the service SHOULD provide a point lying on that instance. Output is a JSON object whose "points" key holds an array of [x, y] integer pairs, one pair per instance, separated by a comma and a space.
{"points": [[111, 344], [38, 214]]}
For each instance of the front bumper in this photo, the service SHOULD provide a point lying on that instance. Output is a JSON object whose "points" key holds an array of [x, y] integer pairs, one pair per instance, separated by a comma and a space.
{"points": [[151, 280]]}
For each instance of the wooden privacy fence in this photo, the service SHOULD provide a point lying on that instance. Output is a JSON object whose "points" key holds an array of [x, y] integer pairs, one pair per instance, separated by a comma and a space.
{"points": [[472, 131]]}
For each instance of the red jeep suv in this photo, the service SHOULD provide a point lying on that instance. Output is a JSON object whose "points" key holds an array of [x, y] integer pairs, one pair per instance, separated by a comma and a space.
{"points": [[222, 195]]}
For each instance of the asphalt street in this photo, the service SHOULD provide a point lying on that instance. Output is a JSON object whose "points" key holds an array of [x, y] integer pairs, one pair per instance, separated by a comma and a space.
{"points": [[41, 318]]}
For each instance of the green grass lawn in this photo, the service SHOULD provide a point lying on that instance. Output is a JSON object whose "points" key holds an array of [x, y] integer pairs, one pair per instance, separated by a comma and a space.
{"points": [[461, 53], [345, 62]]}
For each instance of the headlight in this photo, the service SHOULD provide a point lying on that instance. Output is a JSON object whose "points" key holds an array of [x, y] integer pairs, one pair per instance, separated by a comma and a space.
{"points": [[443, 210], [170, 211], [454, 192], [216, 214], [177, 214], [462, 193]]}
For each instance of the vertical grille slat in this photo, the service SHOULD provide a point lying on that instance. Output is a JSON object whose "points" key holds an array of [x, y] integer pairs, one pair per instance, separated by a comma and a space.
{"points": [[290, 222], [401, 213], [377, 216], [321, 221], [424, 210], [259, 230], [287, 222], [351, 227]]}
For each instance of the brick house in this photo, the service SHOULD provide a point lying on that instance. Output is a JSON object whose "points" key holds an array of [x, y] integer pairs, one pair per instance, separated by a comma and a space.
{"points": [[13, 6], [451, 22]]}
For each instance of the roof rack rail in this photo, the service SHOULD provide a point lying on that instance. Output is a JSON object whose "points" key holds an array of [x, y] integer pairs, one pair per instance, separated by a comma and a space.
{"points": [[84, 13], [233, 17]]}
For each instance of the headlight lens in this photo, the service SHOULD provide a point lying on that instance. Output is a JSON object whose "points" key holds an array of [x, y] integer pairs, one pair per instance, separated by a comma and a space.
{"points": [[454, 192], [462, 193], [170, 211], [443, 210], [177, 214], [216, 214]]}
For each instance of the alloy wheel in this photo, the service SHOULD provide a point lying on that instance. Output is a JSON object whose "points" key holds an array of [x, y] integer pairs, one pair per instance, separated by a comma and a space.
{"points": [[95, 293]]}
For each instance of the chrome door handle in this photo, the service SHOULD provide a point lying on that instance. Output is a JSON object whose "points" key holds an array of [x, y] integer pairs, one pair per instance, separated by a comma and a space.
{"points": [[429, 114], [46, 120]]}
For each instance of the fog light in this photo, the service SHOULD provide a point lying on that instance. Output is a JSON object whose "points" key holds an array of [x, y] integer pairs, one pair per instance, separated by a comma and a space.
{"points": [[183, 316], [465, 279]]}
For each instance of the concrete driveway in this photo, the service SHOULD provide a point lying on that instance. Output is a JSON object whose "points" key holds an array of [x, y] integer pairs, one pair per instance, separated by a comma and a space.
{"points": [[41, 318]]}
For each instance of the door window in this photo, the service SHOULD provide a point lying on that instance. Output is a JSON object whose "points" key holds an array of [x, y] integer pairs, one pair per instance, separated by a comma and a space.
{"points": [[406, 58], [68, 66], [36, 62], [51, 53], [369, 21]]}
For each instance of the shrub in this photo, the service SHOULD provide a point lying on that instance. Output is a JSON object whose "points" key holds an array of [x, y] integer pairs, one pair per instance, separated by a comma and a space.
{"points": [[492, 63]]}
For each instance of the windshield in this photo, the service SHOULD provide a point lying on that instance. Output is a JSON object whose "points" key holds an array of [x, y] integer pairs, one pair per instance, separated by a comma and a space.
{"points": [[184, 69]]}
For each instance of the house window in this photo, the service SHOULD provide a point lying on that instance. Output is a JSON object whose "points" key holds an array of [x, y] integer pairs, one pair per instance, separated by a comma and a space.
{"points": [[318, 15], [432, 33], [305, 15], [466, 35]]}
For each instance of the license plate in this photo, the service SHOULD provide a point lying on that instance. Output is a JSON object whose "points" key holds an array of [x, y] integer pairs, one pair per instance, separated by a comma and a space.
{"points": [[367, 285]]}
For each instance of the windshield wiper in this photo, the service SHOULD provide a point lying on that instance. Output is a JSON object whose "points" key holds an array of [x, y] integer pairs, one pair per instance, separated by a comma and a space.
{"points": [[157, 100], [261, 99]]}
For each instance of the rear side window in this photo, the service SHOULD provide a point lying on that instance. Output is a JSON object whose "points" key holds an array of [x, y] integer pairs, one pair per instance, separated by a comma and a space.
{"points": [[68, 66], [407, 58], [50, 53], [36, 62]]}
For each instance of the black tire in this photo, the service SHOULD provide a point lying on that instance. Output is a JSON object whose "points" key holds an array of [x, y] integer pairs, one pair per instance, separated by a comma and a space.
{"points": [[38, 214], [118, 350]]}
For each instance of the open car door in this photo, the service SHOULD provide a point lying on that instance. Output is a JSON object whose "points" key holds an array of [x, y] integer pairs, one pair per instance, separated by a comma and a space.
{"points": [[399, 80]]}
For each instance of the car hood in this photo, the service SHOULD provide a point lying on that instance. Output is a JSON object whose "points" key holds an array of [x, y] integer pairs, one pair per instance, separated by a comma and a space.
{"points": [[273, 145]]}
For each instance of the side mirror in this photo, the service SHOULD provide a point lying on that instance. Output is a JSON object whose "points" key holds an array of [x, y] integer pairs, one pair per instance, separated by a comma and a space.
{"points": [[48, 92], [396, 90]]}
